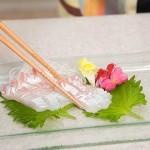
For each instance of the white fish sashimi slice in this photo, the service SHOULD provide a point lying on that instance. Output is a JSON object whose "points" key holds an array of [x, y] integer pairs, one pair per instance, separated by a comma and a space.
{"points": [[39, 100], [29, 88], [91, 99]]}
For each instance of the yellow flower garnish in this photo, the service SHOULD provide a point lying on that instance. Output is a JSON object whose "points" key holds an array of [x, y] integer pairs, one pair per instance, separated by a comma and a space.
{"points": [[88, 70]]}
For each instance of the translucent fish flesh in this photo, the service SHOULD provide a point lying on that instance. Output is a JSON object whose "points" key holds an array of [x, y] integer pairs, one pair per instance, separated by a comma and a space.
{"points": [[28, 87]]}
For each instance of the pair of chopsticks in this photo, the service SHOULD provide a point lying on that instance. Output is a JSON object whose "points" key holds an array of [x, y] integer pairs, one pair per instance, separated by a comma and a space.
{"points": [[37, 58]]}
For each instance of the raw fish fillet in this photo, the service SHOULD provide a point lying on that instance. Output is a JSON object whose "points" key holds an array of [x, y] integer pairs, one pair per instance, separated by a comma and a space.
{"points": [[28, 87]]}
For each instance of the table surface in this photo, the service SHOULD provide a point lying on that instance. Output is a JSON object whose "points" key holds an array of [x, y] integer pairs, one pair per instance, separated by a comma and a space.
{"points": [[54, 38], [82, 36]]}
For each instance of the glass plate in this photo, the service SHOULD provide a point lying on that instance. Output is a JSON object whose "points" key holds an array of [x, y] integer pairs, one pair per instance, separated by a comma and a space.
{"points": [[83, 131]]}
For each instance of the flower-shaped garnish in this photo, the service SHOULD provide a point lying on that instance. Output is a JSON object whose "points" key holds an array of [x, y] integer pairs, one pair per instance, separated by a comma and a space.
{"points": [[111, 77], [88, 70]]}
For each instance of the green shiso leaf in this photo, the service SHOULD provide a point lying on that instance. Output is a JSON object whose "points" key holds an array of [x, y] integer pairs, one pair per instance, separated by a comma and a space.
{"points": [[31, 118], [87, 81], [124, 98]]}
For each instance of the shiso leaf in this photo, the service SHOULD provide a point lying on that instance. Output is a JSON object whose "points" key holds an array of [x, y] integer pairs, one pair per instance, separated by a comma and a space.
{"points": [[31, 118], [124, 98]]}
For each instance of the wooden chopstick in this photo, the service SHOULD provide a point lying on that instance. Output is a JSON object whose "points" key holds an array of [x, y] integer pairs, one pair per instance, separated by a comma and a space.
{"points": [[25, 47], [40, 70], [5, 41]]}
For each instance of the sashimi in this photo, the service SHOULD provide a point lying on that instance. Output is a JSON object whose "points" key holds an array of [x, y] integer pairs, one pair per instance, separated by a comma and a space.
{"points": [[29, 88]]}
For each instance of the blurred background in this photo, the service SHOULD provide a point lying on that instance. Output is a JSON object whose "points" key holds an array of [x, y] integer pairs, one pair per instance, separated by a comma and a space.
{"points": [[26, 9]]}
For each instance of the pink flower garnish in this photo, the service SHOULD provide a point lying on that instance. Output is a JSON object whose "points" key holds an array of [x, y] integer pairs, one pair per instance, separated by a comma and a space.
{"points": [[111, 77]]}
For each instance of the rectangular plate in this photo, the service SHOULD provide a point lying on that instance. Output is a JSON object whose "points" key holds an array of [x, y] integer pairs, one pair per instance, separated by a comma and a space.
{"points": [[84, 131]]}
